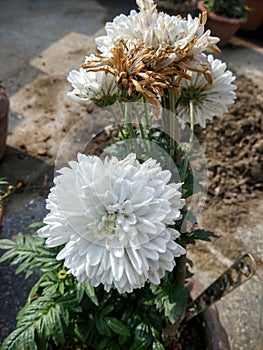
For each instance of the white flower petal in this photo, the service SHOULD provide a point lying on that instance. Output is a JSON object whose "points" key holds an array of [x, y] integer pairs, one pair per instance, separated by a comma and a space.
{"points": [[212, 99], [113, 234]]}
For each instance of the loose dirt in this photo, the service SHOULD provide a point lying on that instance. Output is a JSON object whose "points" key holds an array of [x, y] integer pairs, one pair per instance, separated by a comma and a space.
{"points": [[234, 148]]}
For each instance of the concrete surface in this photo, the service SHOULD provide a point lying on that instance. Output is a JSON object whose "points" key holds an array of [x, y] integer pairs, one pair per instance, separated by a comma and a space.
{"points": [[31, 30]]}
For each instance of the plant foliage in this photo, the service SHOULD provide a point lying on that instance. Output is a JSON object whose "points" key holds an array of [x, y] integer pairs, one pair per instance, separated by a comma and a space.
{"points": [[227, 8], [62, 312]]}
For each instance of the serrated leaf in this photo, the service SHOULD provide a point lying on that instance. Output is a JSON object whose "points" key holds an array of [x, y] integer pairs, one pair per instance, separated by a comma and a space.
{"points": [[52, 289], [117, 326], [17, 339], [43, 316], [22, 266], [36, 224], [6, 243], [178, 297], [7, 255], [172, 298], [28, 251], [199, 234], [58, 327]]}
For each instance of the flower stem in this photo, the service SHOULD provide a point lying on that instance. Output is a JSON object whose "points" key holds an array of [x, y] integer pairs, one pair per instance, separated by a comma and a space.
{"points": [[192, 123], [191, 140], [127, 115], [116, 121], [172, 122]]}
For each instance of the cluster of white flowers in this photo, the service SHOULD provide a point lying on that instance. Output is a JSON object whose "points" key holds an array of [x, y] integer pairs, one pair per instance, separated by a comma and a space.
{"points": [[154, 29], [158, 30], [113, 217]]}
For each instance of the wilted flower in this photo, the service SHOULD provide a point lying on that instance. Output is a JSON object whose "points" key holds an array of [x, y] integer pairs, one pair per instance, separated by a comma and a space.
{"points": [[208, 99], [149, 52], [143, 71], [113, 217]]}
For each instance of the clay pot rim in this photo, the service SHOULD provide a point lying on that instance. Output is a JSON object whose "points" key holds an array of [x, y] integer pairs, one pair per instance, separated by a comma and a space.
{"points": [[212, 15]]}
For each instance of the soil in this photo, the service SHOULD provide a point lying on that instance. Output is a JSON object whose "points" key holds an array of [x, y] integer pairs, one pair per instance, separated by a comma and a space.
{"points": [[234, 148]]}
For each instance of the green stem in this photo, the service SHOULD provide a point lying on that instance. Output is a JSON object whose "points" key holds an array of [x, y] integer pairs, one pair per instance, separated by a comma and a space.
{"points": [[116, 121], [172, 122], [191, 140], [141, 130], [145, 105], [131, 131], [192, 123]]}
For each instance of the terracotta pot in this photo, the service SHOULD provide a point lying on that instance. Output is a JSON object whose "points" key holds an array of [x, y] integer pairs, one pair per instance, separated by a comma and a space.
{"points": [[4, 108], [254, 16], [222, 27], [215, 335]]}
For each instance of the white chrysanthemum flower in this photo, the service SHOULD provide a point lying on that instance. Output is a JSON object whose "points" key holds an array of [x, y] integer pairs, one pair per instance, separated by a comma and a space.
{"points": [[208, 100], [93, 86], [113, 217], [156, 29]]}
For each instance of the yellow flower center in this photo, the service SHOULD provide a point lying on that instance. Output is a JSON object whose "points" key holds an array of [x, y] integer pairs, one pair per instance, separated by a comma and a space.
{"points": [[62, 274]]}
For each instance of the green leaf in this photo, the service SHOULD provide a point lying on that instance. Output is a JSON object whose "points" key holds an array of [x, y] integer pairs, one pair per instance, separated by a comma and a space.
{"points": [[157, 345], [108, 309], [199, 234], [52, 289], [90, 291], [58, 326], [34, 289], [117, 326], [69, 301], [81, 333], [61, 288], [6, 244], [172, 298], [141, 344], [18, 338], [103, 344], [7, 255], [36, 224], [178, 297], [45, 317], [80, 291], [102, 326], [29, 252]]}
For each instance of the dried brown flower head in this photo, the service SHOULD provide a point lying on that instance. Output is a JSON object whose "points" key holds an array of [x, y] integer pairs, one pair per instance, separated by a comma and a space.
{"points": [[148, 71]]}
